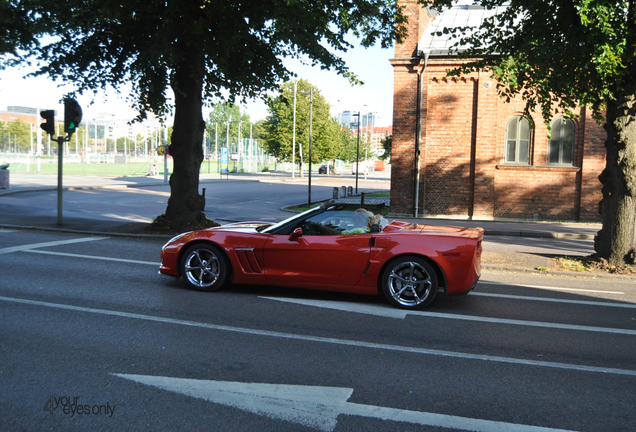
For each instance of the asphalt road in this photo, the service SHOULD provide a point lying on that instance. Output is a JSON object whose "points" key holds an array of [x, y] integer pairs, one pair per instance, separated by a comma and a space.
{"points": [[86, 321]]}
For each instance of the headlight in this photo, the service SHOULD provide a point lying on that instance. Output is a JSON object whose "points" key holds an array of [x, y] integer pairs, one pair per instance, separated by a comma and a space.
{"points": [[173, 239]]}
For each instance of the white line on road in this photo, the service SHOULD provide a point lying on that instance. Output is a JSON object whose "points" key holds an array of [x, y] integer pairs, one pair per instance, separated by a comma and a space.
{"points": [[326, 340], [48, 244], [156, 264], [551, 288], [553, 300], [391, 312]]}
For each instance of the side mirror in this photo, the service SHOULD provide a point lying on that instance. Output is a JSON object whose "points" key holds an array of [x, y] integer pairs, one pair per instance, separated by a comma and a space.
{"points": [[298, 232]]}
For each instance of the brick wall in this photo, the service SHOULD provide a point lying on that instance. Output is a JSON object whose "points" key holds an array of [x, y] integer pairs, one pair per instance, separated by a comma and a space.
{"points": [[404, 134], [417, 22], [447, 172], [463, 173]]}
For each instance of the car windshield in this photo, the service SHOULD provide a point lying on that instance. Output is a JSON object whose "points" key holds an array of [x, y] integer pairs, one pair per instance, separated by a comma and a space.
{"points": [[289, 219]]}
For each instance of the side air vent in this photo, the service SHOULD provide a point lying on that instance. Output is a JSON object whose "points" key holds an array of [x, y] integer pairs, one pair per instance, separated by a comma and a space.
{"points": [[248, 261]]}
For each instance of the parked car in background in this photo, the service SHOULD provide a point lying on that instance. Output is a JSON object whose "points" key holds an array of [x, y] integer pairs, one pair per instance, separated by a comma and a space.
{"points": [[323, 170], [362, 168], [332, 248]]}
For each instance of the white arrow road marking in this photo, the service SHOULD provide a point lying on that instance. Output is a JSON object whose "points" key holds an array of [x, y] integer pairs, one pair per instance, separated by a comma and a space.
{"points": [[313, 406], [390, 312], [156, 264], [324, 340], [48, 244]]}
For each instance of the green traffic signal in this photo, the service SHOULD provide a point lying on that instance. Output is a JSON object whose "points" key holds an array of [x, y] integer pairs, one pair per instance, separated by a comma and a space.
{"points": [[72, 116]]}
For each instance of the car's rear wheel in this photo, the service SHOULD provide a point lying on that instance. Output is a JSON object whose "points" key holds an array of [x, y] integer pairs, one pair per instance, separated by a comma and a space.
{"points": [[204, 268], [410, 282]]}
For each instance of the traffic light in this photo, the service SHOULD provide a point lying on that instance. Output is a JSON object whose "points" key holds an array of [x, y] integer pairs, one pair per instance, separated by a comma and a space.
{"points": [[72, 116], [49, 125]]}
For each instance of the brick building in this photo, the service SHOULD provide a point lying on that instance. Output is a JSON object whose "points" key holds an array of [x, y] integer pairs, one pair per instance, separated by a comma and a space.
{"points": [[479, 158]]}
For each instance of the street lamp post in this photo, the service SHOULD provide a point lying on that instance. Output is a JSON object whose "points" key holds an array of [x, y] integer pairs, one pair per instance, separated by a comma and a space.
{"points": [[294, 133], [358, 153], [311, 105]]}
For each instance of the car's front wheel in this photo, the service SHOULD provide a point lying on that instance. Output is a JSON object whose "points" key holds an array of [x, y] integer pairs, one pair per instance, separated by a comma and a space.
{"points": [[410, 282], [204, 267]]}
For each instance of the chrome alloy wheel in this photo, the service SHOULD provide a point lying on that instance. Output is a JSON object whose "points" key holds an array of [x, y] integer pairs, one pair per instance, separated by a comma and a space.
{"points": [[410, 284], [201, 267]]}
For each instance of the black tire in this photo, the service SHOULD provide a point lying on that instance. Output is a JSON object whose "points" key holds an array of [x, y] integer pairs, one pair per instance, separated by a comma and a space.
{"points": [[204, 267], [410, 282]]}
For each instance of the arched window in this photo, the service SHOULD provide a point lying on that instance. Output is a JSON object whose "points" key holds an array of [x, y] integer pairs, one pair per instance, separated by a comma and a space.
{"points": [[517, 140], [561, 145]]}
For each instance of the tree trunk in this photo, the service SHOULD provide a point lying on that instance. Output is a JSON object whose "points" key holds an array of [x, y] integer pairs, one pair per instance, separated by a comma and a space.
{"points": [[617, 239], [186, 205]]}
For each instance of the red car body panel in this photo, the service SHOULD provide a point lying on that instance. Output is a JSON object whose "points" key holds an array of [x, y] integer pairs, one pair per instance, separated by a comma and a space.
{"points": [[347, 263]]}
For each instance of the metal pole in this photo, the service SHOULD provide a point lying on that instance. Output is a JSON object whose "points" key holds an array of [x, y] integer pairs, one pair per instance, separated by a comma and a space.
{"points": [[216, 145], [252, 152], [311, 100], [240, 146], [358, 153], [227, 145], [165, 155], [60, 144], [38, 142], [311, 105], [95, 142], [294, 134]]}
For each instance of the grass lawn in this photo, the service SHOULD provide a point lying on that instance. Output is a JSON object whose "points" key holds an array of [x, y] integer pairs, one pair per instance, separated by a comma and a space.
{"points": [[49, 166], [105, 169]]}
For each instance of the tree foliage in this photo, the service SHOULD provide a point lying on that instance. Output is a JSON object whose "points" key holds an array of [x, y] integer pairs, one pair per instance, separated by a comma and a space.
{"points": [[387, 144], [17, 135], [200, 49], [561, 54], [226, 115], [347, 141], [278, 129]]}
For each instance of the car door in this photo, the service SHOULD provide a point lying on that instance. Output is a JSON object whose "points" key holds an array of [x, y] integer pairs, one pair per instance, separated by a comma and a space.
{"points": [[320, 259]]}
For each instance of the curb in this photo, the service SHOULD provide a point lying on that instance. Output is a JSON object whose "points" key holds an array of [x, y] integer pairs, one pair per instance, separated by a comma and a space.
{"points": [[540, 234], [512, 269]]}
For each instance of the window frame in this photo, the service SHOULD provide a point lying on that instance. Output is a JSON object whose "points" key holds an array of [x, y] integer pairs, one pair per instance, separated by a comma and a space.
{"points": [[562, 124], [517, 141]]}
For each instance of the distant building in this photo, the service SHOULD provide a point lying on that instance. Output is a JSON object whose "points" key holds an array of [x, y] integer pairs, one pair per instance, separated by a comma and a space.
{"points": [[26, 114], [349, 119], [95, 132], [371, 119], [375, 135], [344, 118]]}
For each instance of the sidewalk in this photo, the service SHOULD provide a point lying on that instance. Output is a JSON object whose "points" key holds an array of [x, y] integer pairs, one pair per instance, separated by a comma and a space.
{"points": [[494, 230]]}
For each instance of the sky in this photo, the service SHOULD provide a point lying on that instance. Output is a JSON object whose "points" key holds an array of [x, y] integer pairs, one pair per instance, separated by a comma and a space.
{"points": [[370, 65]]}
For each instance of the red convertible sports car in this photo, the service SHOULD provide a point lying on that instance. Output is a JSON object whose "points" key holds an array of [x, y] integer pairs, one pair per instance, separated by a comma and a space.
{"points": [[328, 248]]}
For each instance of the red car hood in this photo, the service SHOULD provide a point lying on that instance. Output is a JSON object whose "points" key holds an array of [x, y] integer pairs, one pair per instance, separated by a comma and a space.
{"points": [[397, 225]]}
